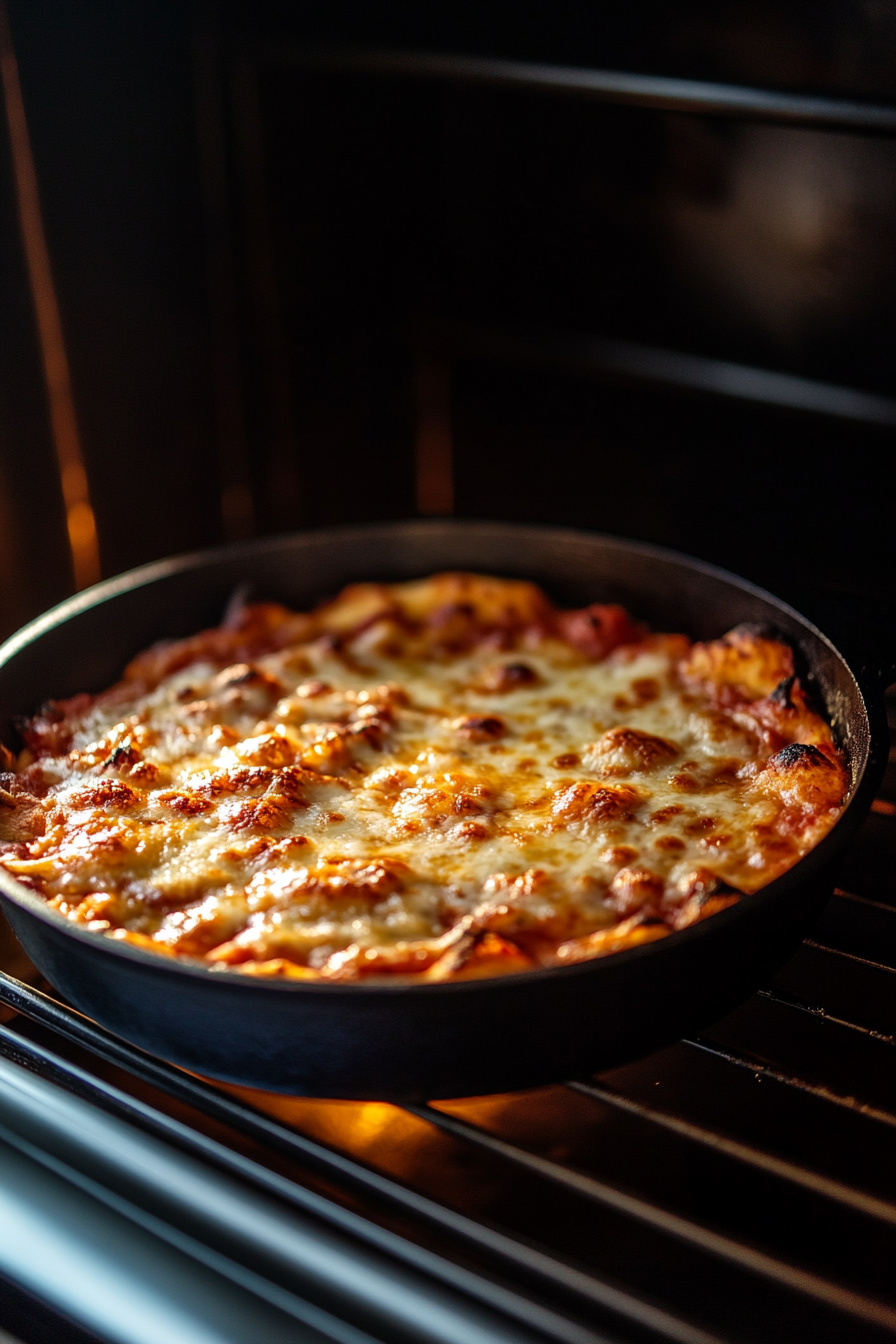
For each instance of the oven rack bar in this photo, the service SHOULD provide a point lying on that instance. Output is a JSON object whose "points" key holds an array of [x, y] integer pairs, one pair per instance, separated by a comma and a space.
{"points": [[79, 1029], [790, 1002], [584, 1290], [884, 1113], [878, 932], [850, 956], [742, 1145], [245, 1227], [100, 1273], [701, 1238], [760, 1069], [742, 1152], [598, 356], [790, 991], [659, 92]]}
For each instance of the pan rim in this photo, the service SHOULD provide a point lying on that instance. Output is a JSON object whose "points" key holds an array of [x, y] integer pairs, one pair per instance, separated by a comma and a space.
{"points": [[155, 570], [144, 575]]}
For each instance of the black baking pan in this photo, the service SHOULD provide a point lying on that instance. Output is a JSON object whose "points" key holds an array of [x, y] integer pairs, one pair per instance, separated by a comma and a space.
{"points": [[406, 1041]]}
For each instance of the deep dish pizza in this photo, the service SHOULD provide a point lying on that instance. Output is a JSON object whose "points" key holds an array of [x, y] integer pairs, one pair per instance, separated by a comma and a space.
{"points": [[432, 780]]}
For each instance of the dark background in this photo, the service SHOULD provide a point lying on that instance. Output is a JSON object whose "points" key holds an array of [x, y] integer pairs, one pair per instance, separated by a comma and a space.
{"points": [[277, 280]]}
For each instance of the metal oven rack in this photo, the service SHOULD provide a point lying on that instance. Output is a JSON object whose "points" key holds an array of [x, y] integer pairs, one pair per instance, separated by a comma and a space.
{"points": [[740, 1186]]}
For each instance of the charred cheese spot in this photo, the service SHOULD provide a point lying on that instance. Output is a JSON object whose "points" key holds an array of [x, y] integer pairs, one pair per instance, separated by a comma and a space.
{"points": [[698, 895], [270, 812], [452, 798], [388, 696], [272, 749], [472, 830], [645, 690], [331, 752], [390, 780], [632, 932], [145, 773], [670, 843], [785, 716], [311, 690], [666, 813], [617, 856], [247, 678], [479, 728], [126, 754], [584, 801], [635, 889], [328, 796], [624, 751], [503, 678], [487, 954], [190, 804], [108, 793], [808, 781], [235, 780], [745, 661]]}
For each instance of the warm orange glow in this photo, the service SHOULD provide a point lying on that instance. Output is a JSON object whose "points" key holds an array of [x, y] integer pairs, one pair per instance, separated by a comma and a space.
{"points": [[373, 1118], [237, 512], [356, 1125], [435, 453], [377, 1132], [419, 1153], [63, 421], [532, 1118], [74, 482], [83, 542]]}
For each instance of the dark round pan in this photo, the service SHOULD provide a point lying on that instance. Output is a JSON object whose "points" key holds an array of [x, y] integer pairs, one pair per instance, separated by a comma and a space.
{"points": [[436, 1040]]}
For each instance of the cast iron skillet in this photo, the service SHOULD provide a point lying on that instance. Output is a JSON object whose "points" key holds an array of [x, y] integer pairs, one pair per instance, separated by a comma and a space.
{"points": [[434, 1040]]}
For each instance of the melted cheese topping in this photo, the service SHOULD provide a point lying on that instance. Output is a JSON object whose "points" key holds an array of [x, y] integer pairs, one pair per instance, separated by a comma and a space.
{"points": [[438, 780]]}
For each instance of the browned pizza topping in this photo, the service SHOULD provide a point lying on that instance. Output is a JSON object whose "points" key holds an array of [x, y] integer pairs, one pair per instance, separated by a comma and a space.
{"points": [[437, 780]]}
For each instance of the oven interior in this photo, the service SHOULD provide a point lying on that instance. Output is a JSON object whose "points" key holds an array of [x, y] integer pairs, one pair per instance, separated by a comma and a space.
{"points": [[619, 271]]}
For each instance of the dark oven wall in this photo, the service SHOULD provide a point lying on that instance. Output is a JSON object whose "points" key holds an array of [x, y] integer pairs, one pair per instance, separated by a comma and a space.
{"points": [[323, 264]]}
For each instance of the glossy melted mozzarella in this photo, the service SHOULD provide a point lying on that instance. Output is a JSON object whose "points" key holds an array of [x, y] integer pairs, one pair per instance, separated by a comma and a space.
{"points": [[381, 803]]}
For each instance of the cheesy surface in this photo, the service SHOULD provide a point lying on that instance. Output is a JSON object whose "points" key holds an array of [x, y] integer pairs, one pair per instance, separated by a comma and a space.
{"points": [[442, 779]]}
